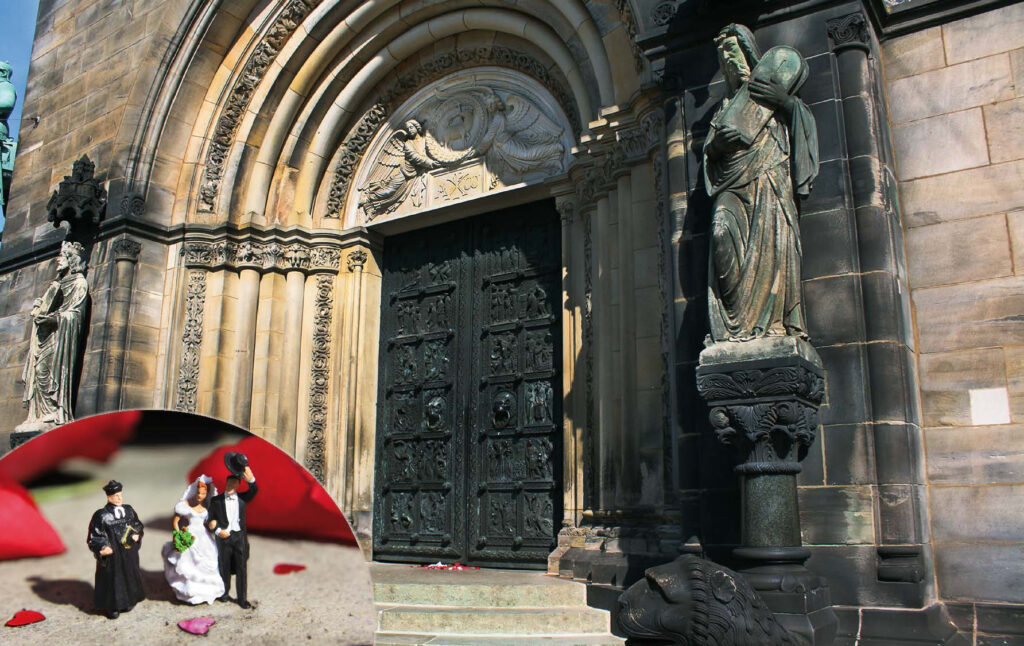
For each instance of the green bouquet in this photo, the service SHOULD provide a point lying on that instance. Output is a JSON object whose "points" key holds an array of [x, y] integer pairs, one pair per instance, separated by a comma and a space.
{"points": [[183, 539]]}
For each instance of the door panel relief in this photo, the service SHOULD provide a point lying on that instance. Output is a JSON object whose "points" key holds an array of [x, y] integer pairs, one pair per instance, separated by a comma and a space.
{"points": [[469, 440]]}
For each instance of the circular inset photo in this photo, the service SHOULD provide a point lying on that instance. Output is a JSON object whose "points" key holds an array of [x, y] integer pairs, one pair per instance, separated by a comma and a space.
{"points": [[160, 527]]}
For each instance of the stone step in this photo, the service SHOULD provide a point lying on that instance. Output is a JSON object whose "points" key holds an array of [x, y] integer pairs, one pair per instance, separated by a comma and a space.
{"points": [[544, 621], [405, 639], [402, 585]]}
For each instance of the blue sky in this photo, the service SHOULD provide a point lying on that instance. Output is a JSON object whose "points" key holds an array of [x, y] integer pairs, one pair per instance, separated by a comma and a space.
{"points": [[17, 29]]}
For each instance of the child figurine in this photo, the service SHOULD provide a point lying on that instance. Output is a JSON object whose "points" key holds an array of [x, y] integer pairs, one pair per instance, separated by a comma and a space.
{"points": [[115, 536], [227, 521]]}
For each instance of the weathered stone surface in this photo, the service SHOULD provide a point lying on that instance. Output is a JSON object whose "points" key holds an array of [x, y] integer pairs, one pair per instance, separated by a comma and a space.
{"points": [[984, 454], [951, 89], [987, 33], [995, 188], [1005, 125], [960, 136], [985, 313], [913, 54], [837, 515], [996, 513], [960, 251], [947, 377], [1014, 355]]}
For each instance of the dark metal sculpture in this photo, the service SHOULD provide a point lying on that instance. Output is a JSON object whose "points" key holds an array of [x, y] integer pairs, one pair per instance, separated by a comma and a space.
{"points": [[80, 200], [761, 151], [694, 602]]}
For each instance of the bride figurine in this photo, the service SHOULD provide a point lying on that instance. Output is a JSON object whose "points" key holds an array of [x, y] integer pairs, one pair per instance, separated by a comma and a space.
{"points": [[190, 558]]}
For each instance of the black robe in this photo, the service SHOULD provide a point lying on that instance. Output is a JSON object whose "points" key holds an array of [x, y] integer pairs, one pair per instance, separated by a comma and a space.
{"points": [[118, 579]]}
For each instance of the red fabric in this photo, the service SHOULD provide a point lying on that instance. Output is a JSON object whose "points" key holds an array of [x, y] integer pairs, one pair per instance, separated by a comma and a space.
{"points": [[290, 501], [96, 438], [25, 617], [26, 531], [288, 568]]}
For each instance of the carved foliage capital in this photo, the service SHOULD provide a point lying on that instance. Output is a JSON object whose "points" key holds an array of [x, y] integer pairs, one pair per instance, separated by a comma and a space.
{"points": [[356, 259], [262, 256], [125, 249], [768, 415], [848, 31]]}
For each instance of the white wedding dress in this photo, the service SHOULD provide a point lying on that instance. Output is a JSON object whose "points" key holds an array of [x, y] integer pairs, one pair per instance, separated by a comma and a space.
{"points": [[194, 574]]}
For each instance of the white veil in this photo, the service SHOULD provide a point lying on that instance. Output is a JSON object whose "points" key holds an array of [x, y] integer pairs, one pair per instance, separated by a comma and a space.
{"points": [[193, 489]]}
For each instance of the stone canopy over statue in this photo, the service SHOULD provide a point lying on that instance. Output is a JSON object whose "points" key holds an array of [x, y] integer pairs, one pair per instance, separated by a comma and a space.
{"points": [[58, 319], [761, 152]]}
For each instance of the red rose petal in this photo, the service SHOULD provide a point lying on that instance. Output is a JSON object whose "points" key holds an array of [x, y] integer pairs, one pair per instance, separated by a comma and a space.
{"points": [[288, 568], [197, 626], [25, 617]]}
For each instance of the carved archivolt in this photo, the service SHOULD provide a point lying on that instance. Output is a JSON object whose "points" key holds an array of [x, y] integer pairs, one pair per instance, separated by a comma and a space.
{"points": [[241, 94], [465, 136]]}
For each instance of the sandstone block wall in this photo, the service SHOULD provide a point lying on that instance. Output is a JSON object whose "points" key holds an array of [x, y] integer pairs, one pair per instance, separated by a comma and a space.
{"points": [[92, 65], [956, 104]]}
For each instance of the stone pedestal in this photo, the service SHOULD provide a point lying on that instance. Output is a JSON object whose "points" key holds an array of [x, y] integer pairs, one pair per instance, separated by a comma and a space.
{"points": [[764, 397]]}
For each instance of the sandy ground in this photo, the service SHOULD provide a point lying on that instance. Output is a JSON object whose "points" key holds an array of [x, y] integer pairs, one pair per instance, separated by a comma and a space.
{"points": [[328, 603]]}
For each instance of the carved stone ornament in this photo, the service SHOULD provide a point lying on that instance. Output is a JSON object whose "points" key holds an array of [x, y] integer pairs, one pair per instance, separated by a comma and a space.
{"points": [[125, 249], [764, 397], [694, 601], [241, 94], [356, 259], [58, 322], [263, 256], [319, 377], [850, 30], [465, 138], [405, 84], [191, 341], [80, 199], [761, 152]]}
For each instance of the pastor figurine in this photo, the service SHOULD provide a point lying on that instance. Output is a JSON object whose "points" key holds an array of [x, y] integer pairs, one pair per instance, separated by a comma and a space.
{"points": [[761, 152], [227, 521], [115, 537]]}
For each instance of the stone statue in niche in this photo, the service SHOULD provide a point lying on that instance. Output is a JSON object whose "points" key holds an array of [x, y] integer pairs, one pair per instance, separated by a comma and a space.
{"points": [[513, 136], [761, 152], [58, 321]]}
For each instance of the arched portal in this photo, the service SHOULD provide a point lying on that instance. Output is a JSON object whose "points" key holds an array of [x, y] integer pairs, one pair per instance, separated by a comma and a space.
{"points": [[288, 141]]}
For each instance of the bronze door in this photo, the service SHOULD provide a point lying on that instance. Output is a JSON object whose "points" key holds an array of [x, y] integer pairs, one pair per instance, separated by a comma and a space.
{"points": [[468, 463]]}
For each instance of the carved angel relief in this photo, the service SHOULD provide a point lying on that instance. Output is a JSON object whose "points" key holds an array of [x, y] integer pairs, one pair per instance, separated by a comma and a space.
{"points": [[511, 137]]}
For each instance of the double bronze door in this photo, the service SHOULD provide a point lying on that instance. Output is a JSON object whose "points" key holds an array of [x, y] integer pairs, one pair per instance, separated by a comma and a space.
{"points": [[468, 455]]}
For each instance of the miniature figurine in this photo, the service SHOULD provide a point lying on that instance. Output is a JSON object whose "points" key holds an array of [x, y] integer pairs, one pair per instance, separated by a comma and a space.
{"points": [[115, 537], [227, 521], [191, 564]]}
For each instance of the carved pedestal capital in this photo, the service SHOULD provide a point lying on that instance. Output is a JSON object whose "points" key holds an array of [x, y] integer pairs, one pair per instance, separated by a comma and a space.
{"points": [[764, 396]]}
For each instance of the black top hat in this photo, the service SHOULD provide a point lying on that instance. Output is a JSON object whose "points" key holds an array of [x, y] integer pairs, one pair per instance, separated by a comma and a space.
{"points": [[112, 487], [236, 463]]}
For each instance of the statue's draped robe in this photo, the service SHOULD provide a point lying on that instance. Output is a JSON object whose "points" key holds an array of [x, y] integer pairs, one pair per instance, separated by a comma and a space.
{"points": [[53, 351], [118, 578], [754, 281]]}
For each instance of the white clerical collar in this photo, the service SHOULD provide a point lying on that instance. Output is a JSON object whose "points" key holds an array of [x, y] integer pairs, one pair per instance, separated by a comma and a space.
{"points": [[118, 511]]}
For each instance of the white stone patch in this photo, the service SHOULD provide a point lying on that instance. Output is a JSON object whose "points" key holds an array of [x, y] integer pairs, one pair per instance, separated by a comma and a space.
{"points": [[989, 406]]}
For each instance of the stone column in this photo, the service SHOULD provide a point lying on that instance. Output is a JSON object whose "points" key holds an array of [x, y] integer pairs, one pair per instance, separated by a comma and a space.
{"points": [[896, 435], [245, 344], [764, 397], [125, 255], [295, 283]]}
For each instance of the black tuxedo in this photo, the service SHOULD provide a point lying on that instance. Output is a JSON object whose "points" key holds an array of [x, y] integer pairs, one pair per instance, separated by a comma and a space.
{"points": [[233, 551]]}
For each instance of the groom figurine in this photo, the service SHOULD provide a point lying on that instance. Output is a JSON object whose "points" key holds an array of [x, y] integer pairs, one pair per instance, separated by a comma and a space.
{"points": [[227, 521]]}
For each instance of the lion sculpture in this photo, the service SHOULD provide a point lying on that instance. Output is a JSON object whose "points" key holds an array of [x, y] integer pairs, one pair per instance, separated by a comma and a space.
{"points": [[694, 602]]}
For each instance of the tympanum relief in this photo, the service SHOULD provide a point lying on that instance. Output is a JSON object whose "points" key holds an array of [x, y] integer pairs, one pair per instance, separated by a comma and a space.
{"points": [[461, 141]]}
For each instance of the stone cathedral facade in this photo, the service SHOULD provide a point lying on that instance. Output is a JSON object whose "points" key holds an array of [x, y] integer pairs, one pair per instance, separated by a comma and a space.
{"points": [[452, 256]]}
